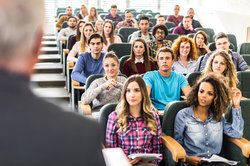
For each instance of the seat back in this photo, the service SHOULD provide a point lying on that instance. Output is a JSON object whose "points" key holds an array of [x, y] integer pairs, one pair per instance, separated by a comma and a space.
{"points": [[232, 39], [120, 49], [244, 84], [193, 77], [153, 20], [103, 119], [244, 48], [68, 41], [172, 37], [126, 31], [170, 25], [122, 60], [198, 63], [208, 31], [64, 25], [212, 46], [246, 57]]}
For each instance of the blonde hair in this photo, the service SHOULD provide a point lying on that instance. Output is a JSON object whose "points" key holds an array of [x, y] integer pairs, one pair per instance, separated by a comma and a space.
{"points": [[84, 41], [146, 111], [84, 14], [92, 18], [230, 71]]}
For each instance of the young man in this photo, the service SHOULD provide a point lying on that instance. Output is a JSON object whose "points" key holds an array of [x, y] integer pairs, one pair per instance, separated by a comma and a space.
{"points": [[186, 28], [195, 23], [160, 32], [164, 85], [176, 18], [70, 30], [113, 14], [222, 43], [128, 22], [89, 62], [143, 32], [34, 131], [161, 20], [64, 18]]}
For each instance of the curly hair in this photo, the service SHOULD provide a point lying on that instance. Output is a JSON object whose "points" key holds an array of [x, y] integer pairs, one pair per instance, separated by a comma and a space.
{"points": [[161, 27], [176, 48], [146, 57], [84, 41], [201, 51], [111, 35], [230, 71], [146, 111], [221, 99]]}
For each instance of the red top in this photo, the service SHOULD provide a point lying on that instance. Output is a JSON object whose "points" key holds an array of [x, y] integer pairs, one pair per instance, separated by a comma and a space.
{"points": [[128, 71]]}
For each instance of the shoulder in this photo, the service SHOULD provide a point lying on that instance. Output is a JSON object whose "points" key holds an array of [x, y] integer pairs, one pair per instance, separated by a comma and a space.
{"points": [[121, 79], [113, 116], [151, 74], [185, 112]]}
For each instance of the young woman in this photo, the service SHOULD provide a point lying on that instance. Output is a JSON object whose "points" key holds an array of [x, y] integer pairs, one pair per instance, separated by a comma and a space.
{"points": [[185, 55], [108, 34], [201, 42], [139, 61], [99, 26], [134, 126], [107, 89], [83, 12], [200, 127], [221, 62], [93, 15], [77, 37], [82, 45]]}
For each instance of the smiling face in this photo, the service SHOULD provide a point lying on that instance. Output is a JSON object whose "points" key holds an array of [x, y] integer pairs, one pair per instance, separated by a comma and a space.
{"points": [[111, 67], [184, 49], [133, 94], [88, 31], [206, 94], [219, 64], [138, 49]]}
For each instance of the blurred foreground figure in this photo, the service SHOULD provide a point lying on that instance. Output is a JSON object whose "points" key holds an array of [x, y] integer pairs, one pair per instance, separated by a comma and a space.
{"points": [[34, 132]]}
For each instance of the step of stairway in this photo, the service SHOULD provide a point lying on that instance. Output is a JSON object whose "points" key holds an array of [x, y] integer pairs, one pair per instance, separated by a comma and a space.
{"points": [[48, 67], [49, 58], [49, 43], [48, 80], [49, 38], [49, 50]]}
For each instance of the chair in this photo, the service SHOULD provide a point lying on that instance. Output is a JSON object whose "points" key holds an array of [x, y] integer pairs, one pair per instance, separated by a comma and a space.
{"points": [[170, 25], [146, 11], [76, 93], [126, 31], [76, 11], [193, 77], [232, 39], [191, 35], [212, 46], [244, 48], [246, 57], [120, 49], [122, 60], [153, 20], [244, 85], [208, 31], [65, 55], [129, 38], [170, 30], [120, 36], [198, 63], [172, 37], [103, 119], [64, 25]]}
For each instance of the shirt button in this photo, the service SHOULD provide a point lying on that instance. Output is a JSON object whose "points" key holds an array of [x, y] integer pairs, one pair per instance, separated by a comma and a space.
{"points": [[204, 126], [207, 143], [206, 134], [137, 147], [137, 139], [208, 151], [136, 130]]}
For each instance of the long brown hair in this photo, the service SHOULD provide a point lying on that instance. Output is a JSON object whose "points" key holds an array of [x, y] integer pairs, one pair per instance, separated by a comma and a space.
{"points": [[91, 18], [200, 51], [78, 33], [84, 14], [145, 56], [221, 94], [146, 111], [84, 41], [111, 35]]}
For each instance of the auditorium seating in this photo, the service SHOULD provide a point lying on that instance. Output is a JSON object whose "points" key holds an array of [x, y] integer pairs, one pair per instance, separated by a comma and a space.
{"points": [[244, 83], [208, 31], [120, 49], [170, 25], [172, 37], [126, 31], [122, 60]]}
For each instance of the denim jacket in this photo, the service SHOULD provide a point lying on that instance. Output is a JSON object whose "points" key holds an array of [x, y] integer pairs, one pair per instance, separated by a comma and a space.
{"points": [[204, 139]]}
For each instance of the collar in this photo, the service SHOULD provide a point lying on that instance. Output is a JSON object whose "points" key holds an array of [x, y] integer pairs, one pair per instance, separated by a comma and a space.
{"points": [[139, 60]]}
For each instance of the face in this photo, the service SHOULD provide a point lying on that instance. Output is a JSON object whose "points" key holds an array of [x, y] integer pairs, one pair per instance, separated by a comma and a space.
{"points": [[92, 12], [161, 21], [138, 49], [160, 35], [99, 26], [200, 40], [88, 31], [80, 27], [176, 9], [222, 44], [191, 13], [113, 11], [187, 22], [165, 61], [219, 64], [205, 94], [144, 25], [133, 94], [83, 9], [69, 11], [71, 22], [128, 17], [95, 46], [184, 49], [107, 28], [111, 67]]}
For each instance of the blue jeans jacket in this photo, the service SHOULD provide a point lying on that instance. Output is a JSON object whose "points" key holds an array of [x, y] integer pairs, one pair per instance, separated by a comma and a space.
{"points": [[204, 139]]}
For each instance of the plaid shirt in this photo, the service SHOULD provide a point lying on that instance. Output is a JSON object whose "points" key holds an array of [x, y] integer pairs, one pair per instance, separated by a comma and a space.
{"points": [[153, 47], [136, 139]]}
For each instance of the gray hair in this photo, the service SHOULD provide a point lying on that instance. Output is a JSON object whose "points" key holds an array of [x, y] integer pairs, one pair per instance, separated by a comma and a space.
{"points": [[20, 24]]}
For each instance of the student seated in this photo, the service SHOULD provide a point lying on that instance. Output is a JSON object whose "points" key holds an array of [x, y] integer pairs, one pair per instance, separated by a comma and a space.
{"points": [[134, 126], [108, 35], [99, 26], [83, 12], [201, 42], [195, 23], [82, 45], [93, 15], [186, 28], [176, 18], [200, 127], [113, 14], [139, 61], [165, 85], [185, 55], [128, 22], [70, 30], [161, 20], [106, 89], [89, 62], [76, 37], [62, 19]]}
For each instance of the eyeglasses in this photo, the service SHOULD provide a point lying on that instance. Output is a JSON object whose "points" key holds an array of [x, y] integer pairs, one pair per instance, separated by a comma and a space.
{"points": [[160, 32]]}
